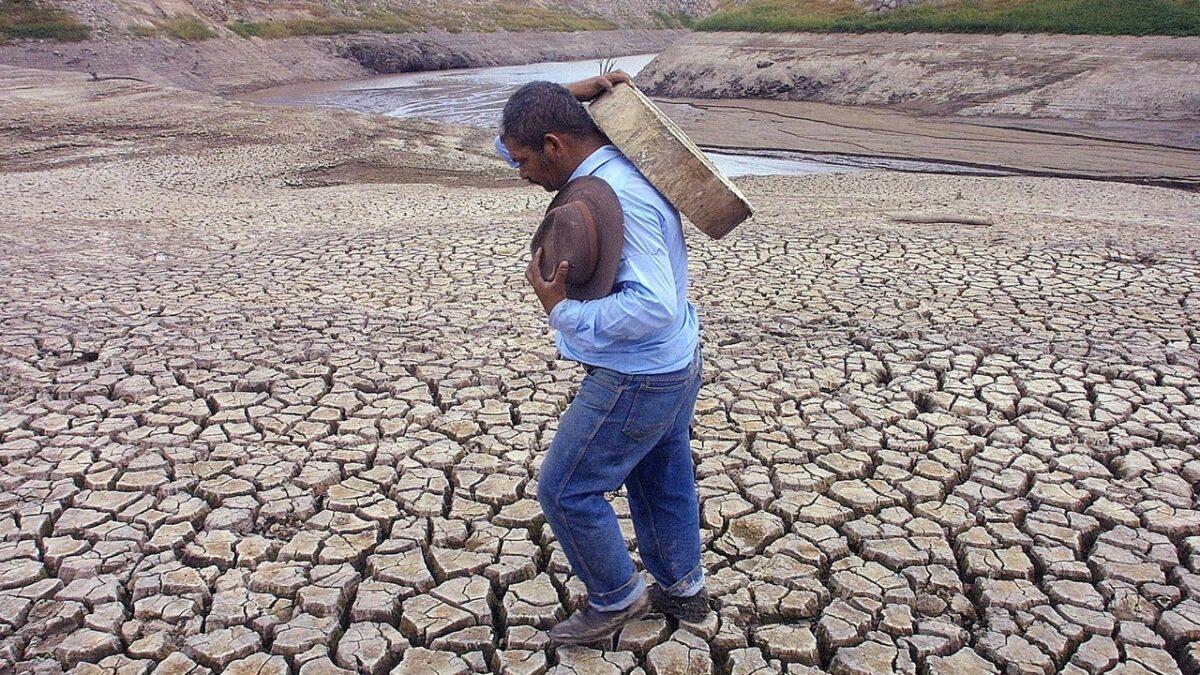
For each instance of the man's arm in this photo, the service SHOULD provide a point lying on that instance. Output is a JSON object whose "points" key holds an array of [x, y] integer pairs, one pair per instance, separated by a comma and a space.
{"points": [[645, 302], [644, 305], [592, 87]]}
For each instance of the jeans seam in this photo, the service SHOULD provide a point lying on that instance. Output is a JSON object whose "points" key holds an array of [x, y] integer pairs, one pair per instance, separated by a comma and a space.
{"points": [[664, 388], [616, 388], [624, 587], [642, 490], [567, 479], [653, 527], [683, 578]]}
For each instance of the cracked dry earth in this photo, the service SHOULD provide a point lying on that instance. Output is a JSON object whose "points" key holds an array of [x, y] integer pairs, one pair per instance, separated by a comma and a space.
{"points": [[255, 422]]}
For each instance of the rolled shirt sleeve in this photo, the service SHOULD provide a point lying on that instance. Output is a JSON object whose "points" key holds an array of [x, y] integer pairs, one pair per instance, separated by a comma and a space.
{"points": [[643, 305]]}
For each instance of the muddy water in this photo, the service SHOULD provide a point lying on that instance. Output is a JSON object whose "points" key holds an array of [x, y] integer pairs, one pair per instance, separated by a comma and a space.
{"points": [[473, 96], [476, 96]]}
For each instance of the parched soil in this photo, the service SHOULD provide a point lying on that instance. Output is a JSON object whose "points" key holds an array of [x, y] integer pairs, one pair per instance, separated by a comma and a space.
{"points": [[252, 425]]}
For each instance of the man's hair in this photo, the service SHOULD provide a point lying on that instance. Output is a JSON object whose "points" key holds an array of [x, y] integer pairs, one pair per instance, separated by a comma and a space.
{"points": [[541, 108]]}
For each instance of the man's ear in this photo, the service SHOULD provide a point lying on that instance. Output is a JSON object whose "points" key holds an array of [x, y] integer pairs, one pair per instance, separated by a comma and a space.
{"points": [[553, 146]]}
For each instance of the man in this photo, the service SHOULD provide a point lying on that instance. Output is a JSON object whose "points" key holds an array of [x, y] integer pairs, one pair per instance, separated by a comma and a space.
{"points": [[629, 423]]}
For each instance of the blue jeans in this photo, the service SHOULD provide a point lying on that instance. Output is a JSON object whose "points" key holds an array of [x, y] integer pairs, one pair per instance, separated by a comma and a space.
{"points": [[631, 430]]}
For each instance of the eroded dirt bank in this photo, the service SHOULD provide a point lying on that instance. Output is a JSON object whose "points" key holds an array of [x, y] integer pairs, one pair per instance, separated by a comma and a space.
{"points": [[231, 65], [820, 128], [252, 421], [1034, 76]]}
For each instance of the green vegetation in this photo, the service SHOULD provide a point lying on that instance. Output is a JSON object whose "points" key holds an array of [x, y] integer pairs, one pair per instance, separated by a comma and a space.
{"points": [[673, 20], [379, 22], [504, 16], [26, 19], [1089, 17], [142, 30], [187, 28]]}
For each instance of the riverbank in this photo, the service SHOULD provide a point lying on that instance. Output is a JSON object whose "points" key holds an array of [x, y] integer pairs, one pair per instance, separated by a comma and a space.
{"points": [[799, 136], [1085, 78], [821, 129], [1104, 108], [234, 65]]}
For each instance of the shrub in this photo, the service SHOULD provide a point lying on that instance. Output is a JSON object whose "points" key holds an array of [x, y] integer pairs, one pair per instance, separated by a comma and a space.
{"points": [[187, 28], [382, 22], [26, 19], [142, 30], [673, 20]]}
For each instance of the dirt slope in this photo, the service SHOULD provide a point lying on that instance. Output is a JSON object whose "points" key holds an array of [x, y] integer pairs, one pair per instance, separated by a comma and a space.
{"points": [[116, 16], [1038, 76], [231, 65], [820, 128]]}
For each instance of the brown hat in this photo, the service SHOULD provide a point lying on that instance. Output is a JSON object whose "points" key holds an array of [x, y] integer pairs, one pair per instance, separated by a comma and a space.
{"points": [[584, 226]]}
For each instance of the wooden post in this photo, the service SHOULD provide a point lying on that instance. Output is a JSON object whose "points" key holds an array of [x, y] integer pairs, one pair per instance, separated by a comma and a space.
{"points": [[670, 160]]}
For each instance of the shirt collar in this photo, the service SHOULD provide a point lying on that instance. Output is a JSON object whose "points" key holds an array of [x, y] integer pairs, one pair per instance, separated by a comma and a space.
{"points": [[595, 160]]}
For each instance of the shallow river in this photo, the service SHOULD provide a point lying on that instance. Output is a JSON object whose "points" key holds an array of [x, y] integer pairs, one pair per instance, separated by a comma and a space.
{"points": [[476, 96]]}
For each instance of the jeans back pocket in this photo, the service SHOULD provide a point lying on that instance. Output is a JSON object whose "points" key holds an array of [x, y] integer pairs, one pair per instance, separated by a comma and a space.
{"points": [[653, 410]]}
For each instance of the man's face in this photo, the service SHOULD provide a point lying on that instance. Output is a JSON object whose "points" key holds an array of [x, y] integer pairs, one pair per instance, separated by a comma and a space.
{"points": [[544, 168]]}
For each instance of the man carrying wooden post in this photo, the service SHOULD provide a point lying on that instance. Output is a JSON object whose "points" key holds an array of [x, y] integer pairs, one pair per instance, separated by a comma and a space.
{"points": [[637, 336]]}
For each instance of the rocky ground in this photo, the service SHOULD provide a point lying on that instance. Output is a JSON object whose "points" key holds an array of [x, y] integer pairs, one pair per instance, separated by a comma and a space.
{"points": [[273, 397]]}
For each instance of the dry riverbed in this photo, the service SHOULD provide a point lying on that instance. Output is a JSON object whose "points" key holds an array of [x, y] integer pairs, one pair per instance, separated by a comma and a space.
{"points": [[821, 128], [1122, 108], [273, 395]]}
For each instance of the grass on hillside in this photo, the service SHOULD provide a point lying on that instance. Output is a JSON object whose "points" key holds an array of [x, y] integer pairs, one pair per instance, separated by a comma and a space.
{"points": [[187, 28], [25, 19], [673, 20], [503, 16], [1087, 17], [380, 23]]}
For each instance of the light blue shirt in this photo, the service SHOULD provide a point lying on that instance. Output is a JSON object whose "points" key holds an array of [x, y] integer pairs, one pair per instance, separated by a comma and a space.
{"points": [[647, 325]]}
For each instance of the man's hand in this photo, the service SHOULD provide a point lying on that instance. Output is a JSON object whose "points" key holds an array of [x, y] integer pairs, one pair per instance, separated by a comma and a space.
{"points": [[586, 90], [549, 292]]}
